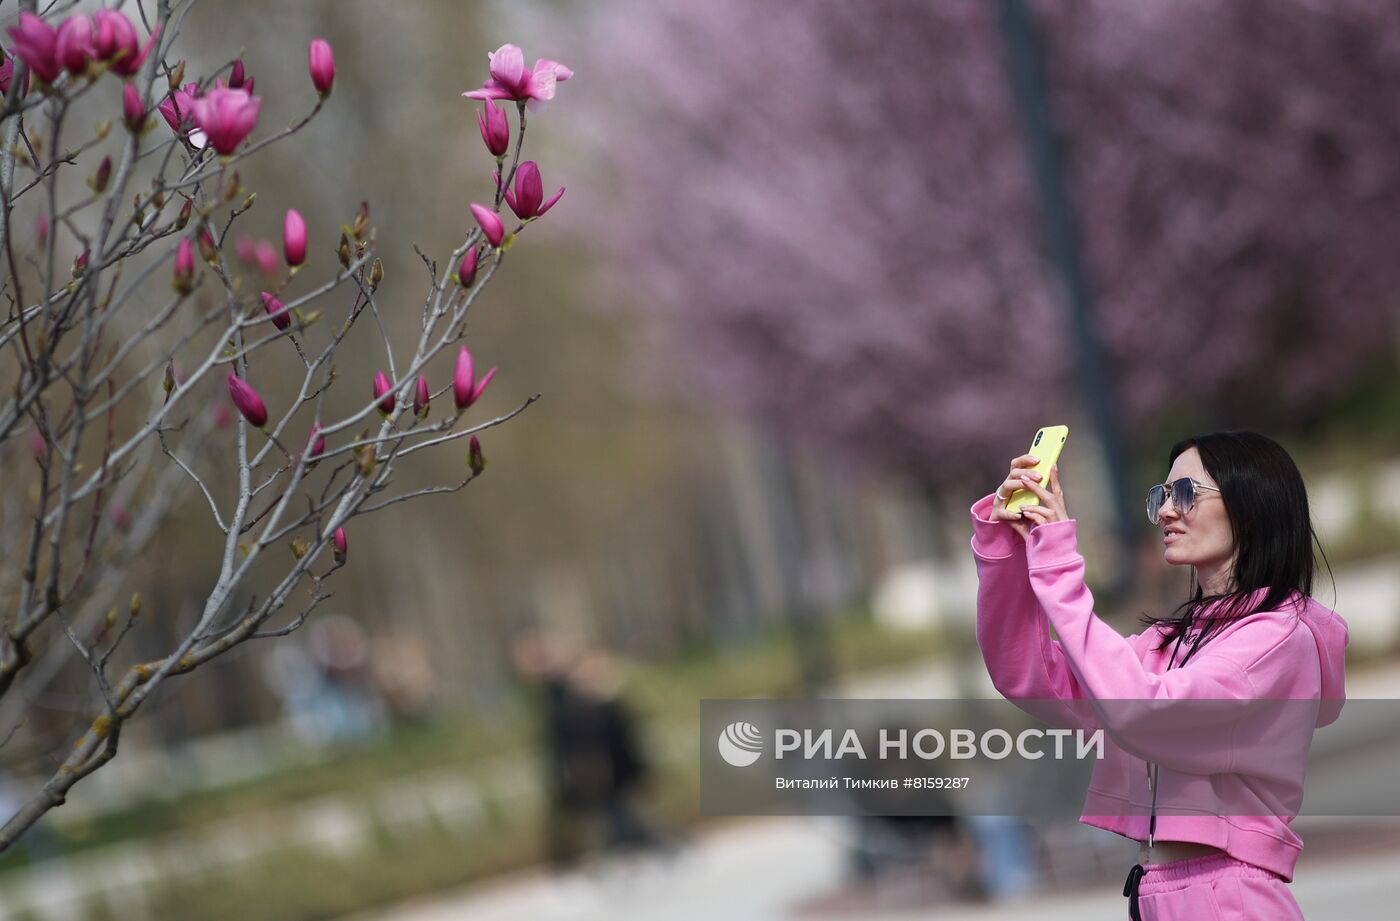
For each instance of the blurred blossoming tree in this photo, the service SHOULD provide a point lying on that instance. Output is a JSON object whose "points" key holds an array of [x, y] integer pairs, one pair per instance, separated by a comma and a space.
{"points": [[833, 210]]}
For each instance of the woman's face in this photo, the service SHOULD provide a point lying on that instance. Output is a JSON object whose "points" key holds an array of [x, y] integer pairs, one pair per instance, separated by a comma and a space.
{"points": [[1203, 537]]}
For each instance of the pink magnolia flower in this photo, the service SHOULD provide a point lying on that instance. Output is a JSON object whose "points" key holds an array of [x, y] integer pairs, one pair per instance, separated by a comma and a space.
{"points": [[490, 223], [320, 61], [116, 42], [342, 546], [529, 192], [36, 43], [178, 107], [384, 393], [41, 228], [133, 109], [178, 112], [281, 316], [294, 238], [266, 254], [465, 389], [226, 116], [510, 79], [247, 401], [421, 397], [466, 272], [184, 266], [316, 444], [495, 128], [75, 48], [7, 72], [246, 250]]}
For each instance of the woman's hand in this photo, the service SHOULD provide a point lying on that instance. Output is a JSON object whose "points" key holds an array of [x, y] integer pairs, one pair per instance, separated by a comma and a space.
{"points": [[1052, 501], [1022, 476], [1020, 468]]}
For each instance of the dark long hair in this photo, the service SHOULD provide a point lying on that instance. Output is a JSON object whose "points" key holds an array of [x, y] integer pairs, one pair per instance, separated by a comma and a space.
{"points": [[1267, 506]]}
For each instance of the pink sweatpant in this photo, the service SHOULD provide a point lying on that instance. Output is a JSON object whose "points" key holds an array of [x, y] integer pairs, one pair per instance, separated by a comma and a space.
{"points": [[1217, 888]]}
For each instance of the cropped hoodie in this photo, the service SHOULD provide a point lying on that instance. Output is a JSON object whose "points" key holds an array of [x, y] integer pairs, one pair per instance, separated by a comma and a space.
{"points": [[1215, 769]]}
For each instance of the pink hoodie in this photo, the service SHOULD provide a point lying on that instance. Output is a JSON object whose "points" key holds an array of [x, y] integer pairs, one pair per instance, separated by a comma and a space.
{"points": [[1296, 653]]}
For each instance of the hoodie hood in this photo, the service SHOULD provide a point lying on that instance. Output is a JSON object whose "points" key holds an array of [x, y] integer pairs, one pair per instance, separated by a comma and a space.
{"points": [[1330, 631]]}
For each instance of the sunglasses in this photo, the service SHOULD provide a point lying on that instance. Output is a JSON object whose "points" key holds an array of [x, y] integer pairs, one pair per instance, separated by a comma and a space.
{"points": [[1182, 493]]}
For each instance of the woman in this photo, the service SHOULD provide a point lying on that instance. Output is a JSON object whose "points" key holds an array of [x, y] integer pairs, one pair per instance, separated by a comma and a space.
{"points": [[1210, 790]]}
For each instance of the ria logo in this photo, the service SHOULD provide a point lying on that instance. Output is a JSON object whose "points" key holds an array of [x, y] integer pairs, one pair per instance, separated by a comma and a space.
{"points": [[740, 744]]}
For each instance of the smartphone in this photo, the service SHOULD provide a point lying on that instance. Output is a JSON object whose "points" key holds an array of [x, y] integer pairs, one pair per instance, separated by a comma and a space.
{"points": [[1047, 446]]}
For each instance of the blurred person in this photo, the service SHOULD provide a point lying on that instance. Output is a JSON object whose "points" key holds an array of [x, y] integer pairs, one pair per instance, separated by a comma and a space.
{"points": [[351, 709], [594, 759], [928, 838], [607, 760], [544, 660], [1234, 509], [403, 674], [325, 684]]}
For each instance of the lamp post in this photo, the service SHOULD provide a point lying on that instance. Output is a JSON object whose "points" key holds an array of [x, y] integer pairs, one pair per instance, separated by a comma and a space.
{"points": [[1024, 68]]}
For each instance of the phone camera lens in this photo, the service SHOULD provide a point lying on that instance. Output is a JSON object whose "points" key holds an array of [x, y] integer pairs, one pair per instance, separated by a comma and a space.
{"points": [[1037, 437]]}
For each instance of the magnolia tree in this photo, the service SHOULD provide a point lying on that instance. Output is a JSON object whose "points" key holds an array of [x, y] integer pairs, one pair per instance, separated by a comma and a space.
{"points": [[853, 251], [169, 358]]}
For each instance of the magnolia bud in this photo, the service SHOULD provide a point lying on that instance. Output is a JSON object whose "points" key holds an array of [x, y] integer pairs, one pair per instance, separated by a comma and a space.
{"points": [[384, 393], [316, 443], [281, 318], [421, 396], [80, 265], [133, 111], [299, 546], [101, 130], [168, 384], [376, 275], [120, 519], [475, 458], [208, 250], [177, 76], [184, 268], [466, 271], [135, 609], [343, 251], [361, 223], [102, 176], [342, 546], [294, 238], [231, 188], [321, 63], [246, 399], [184, 216]]}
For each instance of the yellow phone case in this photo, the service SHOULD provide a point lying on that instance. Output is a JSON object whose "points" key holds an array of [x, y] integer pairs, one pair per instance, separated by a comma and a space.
{"points": [[1047, 446]]}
